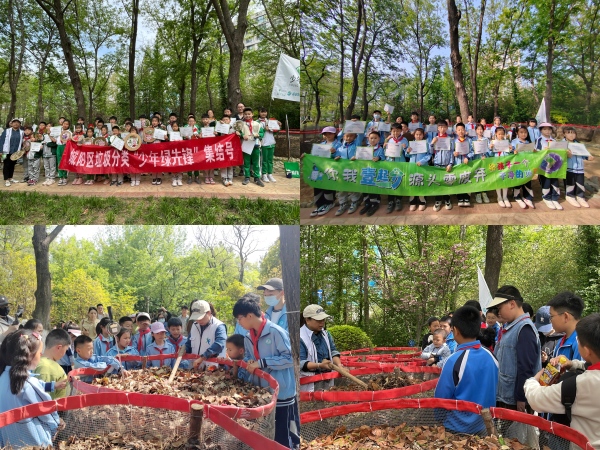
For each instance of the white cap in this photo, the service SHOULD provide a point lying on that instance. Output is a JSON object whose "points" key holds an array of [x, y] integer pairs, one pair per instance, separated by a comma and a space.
{"points": [[199, 309]]}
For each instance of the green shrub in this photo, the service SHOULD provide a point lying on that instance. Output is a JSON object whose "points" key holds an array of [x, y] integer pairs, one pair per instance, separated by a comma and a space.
{"points": [[347, 337]]}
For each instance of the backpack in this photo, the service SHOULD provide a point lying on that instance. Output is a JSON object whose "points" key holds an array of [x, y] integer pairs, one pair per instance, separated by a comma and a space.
{"points": [[568, 392]]}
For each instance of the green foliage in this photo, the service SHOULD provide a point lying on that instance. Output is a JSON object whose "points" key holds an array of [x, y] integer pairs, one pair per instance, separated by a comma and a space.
{"points": [[270, 265], [347, 337]]}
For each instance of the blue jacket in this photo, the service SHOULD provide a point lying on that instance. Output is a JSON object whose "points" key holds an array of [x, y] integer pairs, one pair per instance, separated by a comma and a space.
{"points": [[381, 133], [422, 158], [444, 157], [275, 353], [346, 151], [97, 363], [185, 363], [101, 344], [450, 342], [37, 431], [569, 348], [470, 374], [15, 141], [379, 152], [167, 348], [534, 133], [147, 340], [282, 322], [127, 365], [459, 159], [575, 163], [402, 158], [477, 156], [321, 346]]}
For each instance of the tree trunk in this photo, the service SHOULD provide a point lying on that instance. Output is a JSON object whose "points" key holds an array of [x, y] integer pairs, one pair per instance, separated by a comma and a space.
{"points": [[132, 45], [365, 249], [15, 63], [493, 256], [182, 99], [208, 83], [289, 237], [459, 83], [40, 103], [342, 62], [197, 36], [43, 293], [222, 84], [358, 49]]}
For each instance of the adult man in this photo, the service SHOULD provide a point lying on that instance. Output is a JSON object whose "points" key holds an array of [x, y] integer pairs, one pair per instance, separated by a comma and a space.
{"points": [[184, 319], [207, 335], [7, 323], [274, 298], [518, 349], [240, 111], [11, 142]]}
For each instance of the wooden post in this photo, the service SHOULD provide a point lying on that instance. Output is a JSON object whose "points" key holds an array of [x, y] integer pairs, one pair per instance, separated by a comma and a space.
{"points": [[234, 371], [144, 362], [348, 375], [489, 423], [196, 416]]}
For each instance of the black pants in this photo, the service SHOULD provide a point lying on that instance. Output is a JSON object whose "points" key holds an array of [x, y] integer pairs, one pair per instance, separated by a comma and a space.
{"points": [[323, 197], [524, 191], [285, 415], [416, 200], [575, 184], [373, 198], [9, 168], [550, 189], [466, 197]]}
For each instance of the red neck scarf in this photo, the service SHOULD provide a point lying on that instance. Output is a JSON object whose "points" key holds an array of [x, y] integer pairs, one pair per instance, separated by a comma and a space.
{"points": [[594, 366], [106, 342], [249, 122], [443, 135], [176, 342], [397, 140], [160, 350], [141, 339], [254, 335]]}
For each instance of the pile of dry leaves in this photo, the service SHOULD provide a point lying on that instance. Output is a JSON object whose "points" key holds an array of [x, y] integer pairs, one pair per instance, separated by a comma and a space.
{"points": [[214, 387], [380, 382], [403, 437]]}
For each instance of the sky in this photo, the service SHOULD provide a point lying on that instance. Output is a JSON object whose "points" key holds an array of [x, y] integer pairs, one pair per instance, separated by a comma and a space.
{"points": [[267, 233]]}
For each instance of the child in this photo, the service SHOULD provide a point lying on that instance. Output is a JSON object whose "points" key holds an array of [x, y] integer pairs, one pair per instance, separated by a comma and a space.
{"points": [[502, 193], [176, 338], [77, 136], [117, 178], [21, 352], [497, 124], [235, 352], [251, 130], [84, 347], [160, 346], [575, 192], [267, 147], [156, 176], [373, 200], [103, 341], [142, 339], [565, 313], [60, 149], [470, 374], [122, 347], [470, 126], [68, 361], [431, 134], [48, 154], [433, 323], [176, 177], [57, 344], [533, 131], [191, 123], [421, 159], [347, 151], [461, 138], [525, 189], [324, 199], [437, 352], [445, 325], [395, 140], [414, 122], [373, 125], [491, 320], [227, 172], [127, 323], [442, 159], [585, 412], [479, 137], [550, 188], [267, 347], [98, 129], [208, 174]]}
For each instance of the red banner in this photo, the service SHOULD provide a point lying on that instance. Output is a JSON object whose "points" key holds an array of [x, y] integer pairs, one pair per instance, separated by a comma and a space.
{"points": [[176, 156]]}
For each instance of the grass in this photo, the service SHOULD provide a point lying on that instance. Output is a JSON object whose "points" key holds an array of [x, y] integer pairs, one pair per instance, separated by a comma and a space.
{"points": [[34, 208]]}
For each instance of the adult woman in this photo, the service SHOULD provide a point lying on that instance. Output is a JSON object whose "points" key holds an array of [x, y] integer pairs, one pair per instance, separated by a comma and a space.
{"points": [[88, 326], [211, 116]]}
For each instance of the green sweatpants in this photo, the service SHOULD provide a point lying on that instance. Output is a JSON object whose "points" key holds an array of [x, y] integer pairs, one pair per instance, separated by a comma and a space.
{"points": [[252, 160], [60, 149], [267, 159]]}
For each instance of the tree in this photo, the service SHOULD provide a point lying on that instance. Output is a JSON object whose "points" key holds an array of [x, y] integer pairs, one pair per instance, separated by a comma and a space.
{"points": [[474, 56], [243, 243], [43, 293], [198, 24], [493, 256], [135, 11], [454, 16]]}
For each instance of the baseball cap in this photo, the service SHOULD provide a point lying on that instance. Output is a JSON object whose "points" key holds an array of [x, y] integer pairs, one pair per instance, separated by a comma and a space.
{"points": [[157, 327], [542, 319], [545, 124], [272, 284], [500, 298], [329, 130], [74, 331], [315, 312], [199, 309], [3, 300], [142, 315], [15, 119]]}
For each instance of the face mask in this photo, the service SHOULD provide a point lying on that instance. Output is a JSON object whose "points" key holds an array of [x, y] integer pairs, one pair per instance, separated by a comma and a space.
{"points": [[376, 116], [161, 320], [271, 300], [4, 311]]}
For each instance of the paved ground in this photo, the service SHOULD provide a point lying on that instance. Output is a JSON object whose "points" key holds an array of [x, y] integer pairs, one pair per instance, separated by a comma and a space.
{"points": [[477, 214], [283, 189]]}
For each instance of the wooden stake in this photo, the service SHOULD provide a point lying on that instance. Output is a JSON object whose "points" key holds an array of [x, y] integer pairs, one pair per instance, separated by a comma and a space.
{"points": [[348, 375], [489, 423], [196, 416], [234, 371], [177, 362]]}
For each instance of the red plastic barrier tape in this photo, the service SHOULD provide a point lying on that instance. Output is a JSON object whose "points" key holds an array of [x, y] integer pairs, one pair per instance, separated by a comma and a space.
{"points": [[230, 411], [377, 368], [177, 156], [381, 349], [373, 364]]}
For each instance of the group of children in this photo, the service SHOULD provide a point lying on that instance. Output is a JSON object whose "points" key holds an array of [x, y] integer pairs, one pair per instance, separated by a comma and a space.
{"points": [[468, 136], [257, 164]]}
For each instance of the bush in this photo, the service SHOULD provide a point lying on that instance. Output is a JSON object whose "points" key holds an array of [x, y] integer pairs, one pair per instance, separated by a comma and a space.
{"points": [[347, 337]]}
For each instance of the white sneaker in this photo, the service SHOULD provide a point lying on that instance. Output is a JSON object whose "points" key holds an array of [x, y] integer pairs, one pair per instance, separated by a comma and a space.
{"points": [[271, 178], [45, 183], [7, 183], [132, 183], [51, 181], [179, 182], [521, 203], [137, 182], [13, 181], [501, 203], [437, 206], [582, 201], [573, 201], [549, 204], [478, 198], [529, 203], [557, 205], [485, 197], [174, 183], [507, 203], [265, 178]]}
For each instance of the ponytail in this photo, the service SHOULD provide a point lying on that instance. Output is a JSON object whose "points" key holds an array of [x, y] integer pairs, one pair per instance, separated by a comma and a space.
{"points": [[17, 351]]}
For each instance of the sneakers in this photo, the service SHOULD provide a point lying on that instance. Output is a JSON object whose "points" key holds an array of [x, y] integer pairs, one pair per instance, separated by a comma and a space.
{"points": [[31, 182], [353, 207], [159, 181], [7, 183], [521, 203], [154, 181], [342, 209], [390, 207], [314, 212], [422, 207], [478, 198], [230, 182], [549, 203], [398, 204], [412, 208], [501, 203], [189, 181], [174, 183], [260, 183], [365, 208], [113, 182], [573, 201], [583, 202], [119, 183], [325, 209], [133, 183], [557, 205], [62, 182], [13, 181], [448, 205], [485, 197], [246, 181], [467, 203], [373, 209], [226, 183], [461, 202], [179, 181], [529, 203], [197, 180], [265, 178], [437, 206], [137, 182], [507, 203], [271, 178]]}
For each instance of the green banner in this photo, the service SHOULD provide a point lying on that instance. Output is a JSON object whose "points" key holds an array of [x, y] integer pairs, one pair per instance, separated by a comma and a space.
{"points": [[407, 179]]}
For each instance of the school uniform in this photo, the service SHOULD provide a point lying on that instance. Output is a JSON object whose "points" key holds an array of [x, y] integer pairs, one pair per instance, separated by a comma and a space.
{"points": [[272, 350], [252, 161], [443, 159], [441, 354], [450, 342], [429, 135], [423, 159], [458, 160], [550, 188], [141, 340], [396, 200], [99, 363], [533, 134], [575, 182], [34, 160], [278, 317], [33, 432], [102, 345], [568, 347], [378, 152], [323, 197], [412, 126], [370, 125], [347, 151], [128, 351], [177, 343], [267, 148], [525, 191], [470, 126], [165, 349], [49, 161], [470, 374], [195, 173], [67, 362]]}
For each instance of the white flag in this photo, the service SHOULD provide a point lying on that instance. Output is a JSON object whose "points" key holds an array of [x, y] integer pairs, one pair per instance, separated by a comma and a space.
{"points": [[541, 115], [485, 298], [287, 79]]}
